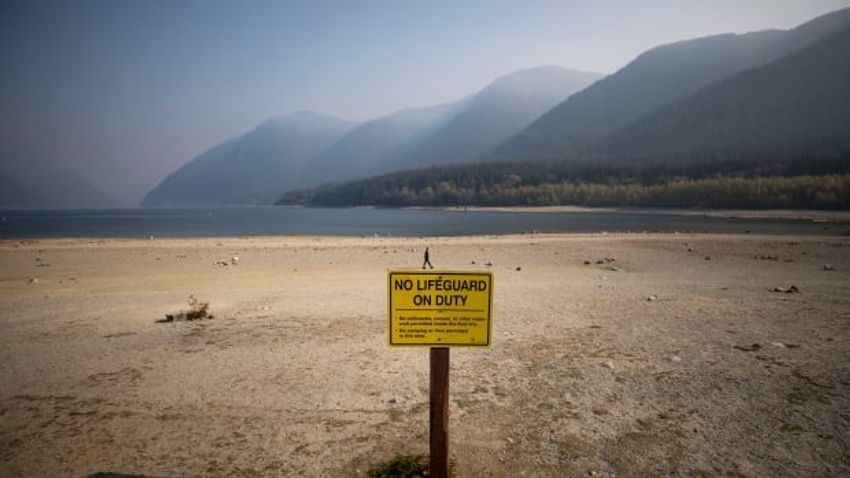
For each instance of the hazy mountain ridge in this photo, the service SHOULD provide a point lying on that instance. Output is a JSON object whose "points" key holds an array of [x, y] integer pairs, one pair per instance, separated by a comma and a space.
{"points": [[500, 110], [371, 146], [800, 103], [14, 194], [775, 135], [251, 168], [656, 78], [752, 93], [41, 187], [307, 149], [450, 133]]}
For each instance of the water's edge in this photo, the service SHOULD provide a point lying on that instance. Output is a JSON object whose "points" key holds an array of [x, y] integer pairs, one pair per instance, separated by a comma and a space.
{"points": [[276, 221]]}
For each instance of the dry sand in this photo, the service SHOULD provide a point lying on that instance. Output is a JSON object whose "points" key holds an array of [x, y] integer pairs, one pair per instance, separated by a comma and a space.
{"points": [[715, 376]]}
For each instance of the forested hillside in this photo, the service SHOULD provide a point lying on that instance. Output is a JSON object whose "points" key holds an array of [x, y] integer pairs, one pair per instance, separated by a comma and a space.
{"points": [[821, 182]]}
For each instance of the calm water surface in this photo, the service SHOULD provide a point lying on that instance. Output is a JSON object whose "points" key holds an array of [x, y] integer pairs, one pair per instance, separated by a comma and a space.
{"points": [[262, 221]]}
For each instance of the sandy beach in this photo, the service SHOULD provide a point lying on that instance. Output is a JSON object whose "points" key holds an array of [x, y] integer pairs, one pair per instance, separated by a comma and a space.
{"points": [[664, 355]]}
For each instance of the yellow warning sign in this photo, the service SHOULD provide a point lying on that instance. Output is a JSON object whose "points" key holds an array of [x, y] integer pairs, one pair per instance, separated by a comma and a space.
{"points": [[440, 308]]}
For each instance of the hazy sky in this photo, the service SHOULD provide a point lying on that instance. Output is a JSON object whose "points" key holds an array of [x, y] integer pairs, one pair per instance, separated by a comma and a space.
{"points": [[124, 92]]}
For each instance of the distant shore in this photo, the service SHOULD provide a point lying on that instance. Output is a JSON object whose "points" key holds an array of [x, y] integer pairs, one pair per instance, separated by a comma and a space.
{"points": [[801, 214]]}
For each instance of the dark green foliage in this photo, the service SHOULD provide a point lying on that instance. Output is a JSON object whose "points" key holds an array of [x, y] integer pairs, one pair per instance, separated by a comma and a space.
{"points": [[402, 466], [734, 182]]}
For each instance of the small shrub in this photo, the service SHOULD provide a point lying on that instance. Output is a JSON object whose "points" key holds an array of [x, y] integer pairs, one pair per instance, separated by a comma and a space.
{"points": [[197, 309], [401, 466]]}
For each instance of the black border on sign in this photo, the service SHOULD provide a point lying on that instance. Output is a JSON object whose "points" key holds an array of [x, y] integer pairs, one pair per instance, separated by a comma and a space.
{"points": [[442, 273]]}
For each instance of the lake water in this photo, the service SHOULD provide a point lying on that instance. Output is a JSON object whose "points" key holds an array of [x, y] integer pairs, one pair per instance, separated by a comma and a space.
{"points": [[263, 221]]}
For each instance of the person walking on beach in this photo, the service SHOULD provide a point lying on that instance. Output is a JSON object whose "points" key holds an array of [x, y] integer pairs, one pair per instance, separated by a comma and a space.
{"points": [[427, 260]]}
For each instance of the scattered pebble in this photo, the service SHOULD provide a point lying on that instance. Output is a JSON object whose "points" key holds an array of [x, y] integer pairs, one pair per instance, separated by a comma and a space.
{"points": [[34, 280], [676, 358], [587, 263], [828, 267], [652, 297], [708, 258], [778, 344], [519, 268], [616, 269]]}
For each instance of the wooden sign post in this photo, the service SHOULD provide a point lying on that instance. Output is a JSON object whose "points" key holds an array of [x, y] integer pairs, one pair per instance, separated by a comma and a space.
{"points": [[439, 309], [439, 415]]}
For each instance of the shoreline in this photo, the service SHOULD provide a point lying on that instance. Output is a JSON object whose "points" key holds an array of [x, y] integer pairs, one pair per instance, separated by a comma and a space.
{"points": [[814, 215], [360, 239], [405, 222], [796, 214]]}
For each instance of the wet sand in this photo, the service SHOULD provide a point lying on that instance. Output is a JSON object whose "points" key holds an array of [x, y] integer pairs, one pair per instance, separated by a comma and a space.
{"points": [[673, 356]]}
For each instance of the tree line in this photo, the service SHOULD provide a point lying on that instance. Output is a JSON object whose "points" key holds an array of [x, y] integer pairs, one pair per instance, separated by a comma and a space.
{"points": [[816, 182]]}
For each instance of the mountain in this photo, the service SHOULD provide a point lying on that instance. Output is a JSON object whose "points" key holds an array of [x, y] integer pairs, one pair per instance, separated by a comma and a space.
{"points": [[450, 133], [656, 78], [369, 147], [43, 187], [13, 194], [798, 104], [307, 149], [252, 168], [502, 109]]}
